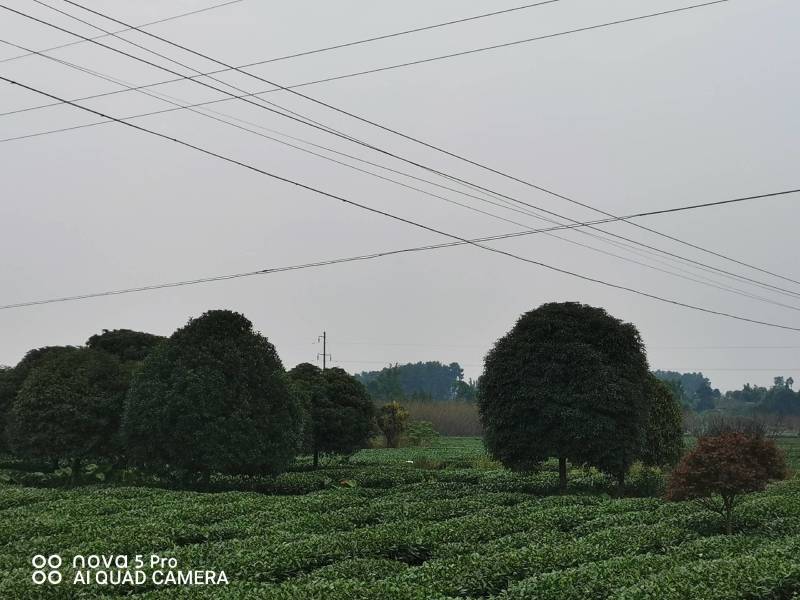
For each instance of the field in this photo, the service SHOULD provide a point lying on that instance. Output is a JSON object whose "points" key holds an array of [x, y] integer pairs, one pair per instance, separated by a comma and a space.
{"points": [[421, 523]]}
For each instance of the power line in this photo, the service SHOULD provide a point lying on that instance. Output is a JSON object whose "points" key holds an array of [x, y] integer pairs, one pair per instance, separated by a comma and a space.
{"points": [[164, 20], [302, 266], [399, 33], [402, 219], [339, 134], [322, 263], [163, 96], [277, 87], [329, 130]]}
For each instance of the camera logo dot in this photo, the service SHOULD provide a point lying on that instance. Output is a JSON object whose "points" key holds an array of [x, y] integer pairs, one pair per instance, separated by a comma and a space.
{"points": [[46, 569]]}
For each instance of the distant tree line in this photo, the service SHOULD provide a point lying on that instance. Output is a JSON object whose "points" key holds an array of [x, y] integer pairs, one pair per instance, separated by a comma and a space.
{"points": [[696, 394], [422, 381]]}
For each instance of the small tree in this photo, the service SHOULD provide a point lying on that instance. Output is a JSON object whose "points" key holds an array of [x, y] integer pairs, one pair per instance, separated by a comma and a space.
{"points": [[340, 409], [392, 420], [68, 407], [421, 433], [663, 439], [213, 398], [720, 469]]}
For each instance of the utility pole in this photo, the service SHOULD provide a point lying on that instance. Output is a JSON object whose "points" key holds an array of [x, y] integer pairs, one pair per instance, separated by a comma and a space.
{"points": [[324, 355]]}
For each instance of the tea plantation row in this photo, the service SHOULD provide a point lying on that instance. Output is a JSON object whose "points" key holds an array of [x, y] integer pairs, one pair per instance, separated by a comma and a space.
{"points": [[394, 531]]}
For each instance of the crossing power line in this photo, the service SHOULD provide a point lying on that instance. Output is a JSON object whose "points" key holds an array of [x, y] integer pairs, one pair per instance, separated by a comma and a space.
{"points": [[474, 186], [335, 261], [171, 99], [404, 220], [163, 20]]}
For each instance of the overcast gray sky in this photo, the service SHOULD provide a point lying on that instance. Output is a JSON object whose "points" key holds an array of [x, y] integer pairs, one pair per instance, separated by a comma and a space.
{"points": [[685, 108]]}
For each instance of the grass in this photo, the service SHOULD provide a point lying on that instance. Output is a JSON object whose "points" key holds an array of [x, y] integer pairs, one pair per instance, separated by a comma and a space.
{"points": [[383, 527]]}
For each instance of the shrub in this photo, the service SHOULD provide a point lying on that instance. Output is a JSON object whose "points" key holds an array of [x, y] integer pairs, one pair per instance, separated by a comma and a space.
{"points": [[392, 419], [420, 433], [720, 469], [213, 397]]}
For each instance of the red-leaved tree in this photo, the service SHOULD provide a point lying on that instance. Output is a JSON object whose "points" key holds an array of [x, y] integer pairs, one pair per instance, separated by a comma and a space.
{"points": [[721, 468]]}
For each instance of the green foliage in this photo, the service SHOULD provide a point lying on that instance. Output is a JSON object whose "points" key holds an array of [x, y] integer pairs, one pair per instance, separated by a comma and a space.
{"points": [[11, 380], [125, 344], [568, 381], [213, 397], [418, 381], [68, 407], [439, 534], [339, 407], [392, 421], [420, 433], [695, 388], [663, 441]]}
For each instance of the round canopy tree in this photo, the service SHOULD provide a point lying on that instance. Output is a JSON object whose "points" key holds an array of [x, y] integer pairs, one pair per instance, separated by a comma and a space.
{"points": [[663, 440], [11, 380], [568, 381], [68, 407], [213, 398], [340, 409]]}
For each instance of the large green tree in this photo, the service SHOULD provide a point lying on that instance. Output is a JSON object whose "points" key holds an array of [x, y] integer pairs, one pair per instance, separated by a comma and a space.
{"points": [[663, 440], [11, 380], [568, 381], [340, 409], [68, 407], [213, 398]]}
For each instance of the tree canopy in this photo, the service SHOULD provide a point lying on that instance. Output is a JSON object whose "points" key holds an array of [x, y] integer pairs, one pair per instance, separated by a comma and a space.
{"points": [[721, 468], [125, 344], [568, 381], [340, 409], [663, 439], [213, 397], [11, 379], [68, 406]]}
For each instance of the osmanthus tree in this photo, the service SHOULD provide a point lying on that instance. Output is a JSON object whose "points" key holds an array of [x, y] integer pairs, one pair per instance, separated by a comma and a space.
{"points": [[720, 469], [11, 380], [68, 407], [339, 407], [663, 437], [568, 381], [213, 397]]}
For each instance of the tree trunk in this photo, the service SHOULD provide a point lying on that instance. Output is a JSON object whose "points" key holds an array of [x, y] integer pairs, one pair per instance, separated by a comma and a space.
{"points": [[621, 484], [728, 509], [316, 457], [562, 475], [76, 470]]}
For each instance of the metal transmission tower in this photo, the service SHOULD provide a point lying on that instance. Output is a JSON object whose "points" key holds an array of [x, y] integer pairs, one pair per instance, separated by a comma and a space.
{"points": [[324, 355]]}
